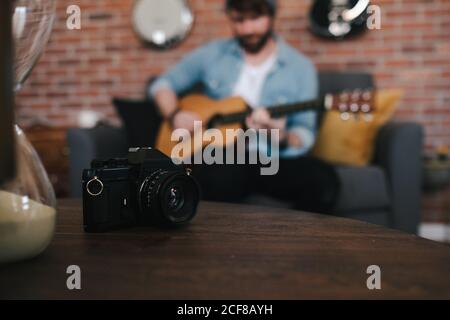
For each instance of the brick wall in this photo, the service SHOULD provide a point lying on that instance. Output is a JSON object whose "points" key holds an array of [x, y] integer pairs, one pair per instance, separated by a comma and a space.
{"points": [[84, 69]]}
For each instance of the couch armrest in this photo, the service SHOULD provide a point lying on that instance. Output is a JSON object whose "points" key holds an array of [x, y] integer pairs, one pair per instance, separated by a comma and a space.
{"points": [[86, 145], [399, 152]]}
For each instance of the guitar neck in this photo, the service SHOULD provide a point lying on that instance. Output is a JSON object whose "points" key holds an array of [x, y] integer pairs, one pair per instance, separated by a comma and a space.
{"points": [[275, 111], [283, 110]]}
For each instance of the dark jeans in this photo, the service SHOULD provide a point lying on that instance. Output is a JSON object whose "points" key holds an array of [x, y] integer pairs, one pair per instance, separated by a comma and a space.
{"points": [[312, 185]]}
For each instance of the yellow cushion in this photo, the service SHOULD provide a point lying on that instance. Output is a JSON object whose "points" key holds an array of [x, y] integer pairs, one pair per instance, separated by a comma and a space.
{"points": [[352, 142]]}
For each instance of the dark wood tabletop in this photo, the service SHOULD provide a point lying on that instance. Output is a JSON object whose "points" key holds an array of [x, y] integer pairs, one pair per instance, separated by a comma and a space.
{"points": [[233, 252]]}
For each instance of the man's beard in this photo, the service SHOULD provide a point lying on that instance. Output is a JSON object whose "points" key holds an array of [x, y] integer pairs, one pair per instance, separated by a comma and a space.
{"points": [[254, 48]]}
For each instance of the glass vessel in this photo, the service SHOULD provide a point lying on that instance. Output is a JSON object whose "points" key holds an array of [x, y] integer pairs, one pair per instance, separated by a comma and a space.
{"points": [[28, 203]]}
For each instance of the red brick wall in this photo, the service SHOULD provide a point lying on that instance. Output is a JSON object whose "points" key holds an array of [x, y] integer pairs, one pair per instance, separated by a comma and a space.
{"points": [[83, 69]]}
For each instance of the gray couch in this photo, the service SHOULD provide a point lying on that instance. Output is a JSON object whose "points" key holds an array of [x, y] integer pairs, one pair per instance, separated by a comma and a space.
{"points": [[387, 192]]}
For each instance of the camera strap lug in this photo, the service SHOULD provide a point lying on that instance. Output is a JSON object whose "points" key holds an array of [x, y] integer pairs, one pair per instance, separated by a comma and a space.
{"points": [[88, 185]]}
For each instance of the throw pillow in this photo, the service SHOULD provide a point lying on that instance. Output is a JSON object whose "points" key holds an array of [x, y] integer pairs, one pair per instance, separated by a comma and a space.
{"points": [[352, 142]]}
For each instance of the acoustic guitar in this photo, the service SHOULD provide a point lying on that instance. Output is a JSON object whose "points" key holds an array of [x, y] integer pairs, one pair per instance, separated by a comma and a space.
{"points": [[231, 114]]}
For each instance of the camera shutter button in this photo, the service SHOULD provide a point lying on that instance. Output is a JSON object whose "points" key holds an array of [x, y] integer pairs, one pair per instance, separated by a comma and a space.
{"points": [[95, 187]]}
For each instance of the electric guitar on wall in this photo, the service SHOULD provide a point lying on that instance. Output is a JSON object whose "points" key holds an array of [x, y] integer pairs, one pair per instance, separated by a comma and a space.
{"points": [[231, 114], [338, 18]]}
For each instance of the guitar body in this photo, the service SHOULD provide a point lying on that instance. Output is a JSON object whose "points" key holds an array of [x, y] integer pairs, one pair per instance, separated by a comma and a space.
{"points": [[205, 108]]}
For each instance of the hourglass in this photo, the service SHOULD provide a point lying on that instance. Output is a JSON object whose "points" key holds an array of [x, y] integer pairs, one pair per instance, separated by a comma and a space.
{"points": [[27, 203]]}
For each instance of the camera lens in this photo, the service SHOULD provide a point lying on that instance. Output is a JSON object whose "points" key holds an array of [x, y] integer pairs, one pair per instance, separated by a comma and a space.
{"points": [[175, 198], [169, 198]]}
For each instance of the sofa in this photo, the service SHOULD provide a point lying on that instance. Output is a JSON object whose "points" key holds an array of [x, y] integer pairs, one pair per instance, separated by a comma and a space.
{"points": [[386, 192]]}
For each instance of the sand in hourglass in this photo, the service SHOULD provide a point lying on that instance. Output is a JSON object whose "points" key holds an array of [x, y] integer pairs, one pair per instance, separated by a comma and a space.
{"points": [[26, 227]]}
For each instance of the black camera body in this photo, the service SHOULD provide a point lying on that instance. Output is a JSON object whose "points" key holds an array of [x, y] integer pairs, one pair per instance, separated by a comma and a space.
{"points": [[145, 189]]}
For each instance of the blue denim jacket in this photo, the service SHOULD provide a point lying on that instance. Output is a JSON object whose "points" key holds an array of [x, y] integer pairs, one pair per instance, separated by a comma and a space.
{"points": [[217, 67]]}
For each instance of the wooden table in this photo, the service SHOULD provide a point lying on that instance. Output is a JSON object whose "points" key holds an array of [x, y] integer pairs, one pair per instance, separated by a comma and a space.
{"points": [[233, 252]]}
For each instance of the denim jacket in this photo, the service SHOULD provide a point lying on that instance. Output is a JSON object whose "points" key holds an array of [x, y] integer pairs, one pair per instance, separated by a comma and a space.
{"points": [[217, 66]]}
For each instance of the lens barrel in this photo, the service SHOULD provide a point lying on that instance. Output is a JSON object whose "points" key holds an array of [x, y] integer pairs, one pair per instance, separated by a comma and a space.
{"points": [[169, 198]]}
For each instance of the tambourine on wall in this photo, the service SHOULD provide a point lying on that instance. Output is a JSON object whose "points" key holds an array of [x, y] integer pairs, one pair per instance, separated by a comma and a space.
{"points": [[162, 24]]}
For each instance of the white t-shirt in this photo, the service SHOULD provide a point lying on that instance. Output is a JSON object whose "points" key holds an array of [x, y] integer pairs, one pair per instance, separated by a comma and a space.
{"points": [[251, 81], [249, 87]]}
